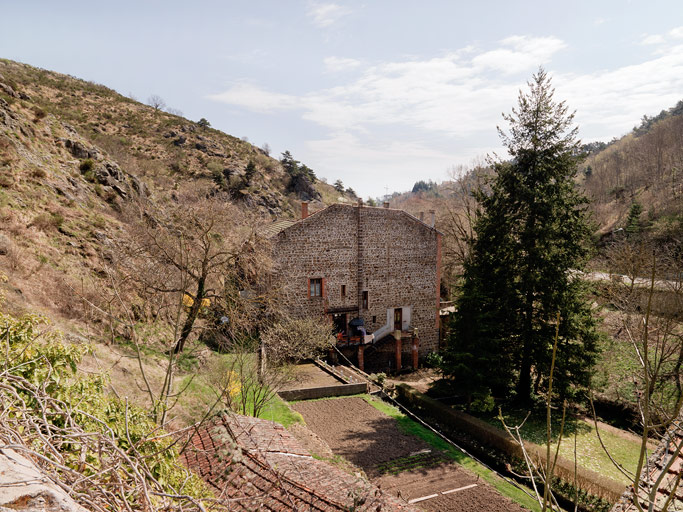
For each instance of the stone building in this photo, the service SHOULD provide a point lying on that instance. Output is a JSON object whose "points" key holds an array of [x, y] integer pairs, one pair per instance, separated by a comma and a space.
{"points": [[381, 265]]}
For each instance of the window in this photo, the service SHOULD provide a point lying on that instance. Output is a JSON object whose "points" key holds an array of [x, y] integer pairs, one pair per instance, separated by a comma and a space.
{"points": [[315, 287], [343, 291], [374, 319], [365, 299]]}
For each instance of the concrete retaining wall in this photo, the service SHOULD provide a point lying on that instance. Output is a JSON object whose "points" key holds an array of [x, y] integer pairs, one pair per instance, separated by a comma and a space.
{"points": [[323, 392]]}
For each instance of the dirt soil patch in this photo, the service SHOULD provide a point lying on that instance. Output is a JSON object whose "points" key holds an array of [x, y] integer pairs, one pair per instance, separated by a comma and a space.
{"points": [[420, 379], [358, 432], [310, 376], [399, 463], [464, 491]]}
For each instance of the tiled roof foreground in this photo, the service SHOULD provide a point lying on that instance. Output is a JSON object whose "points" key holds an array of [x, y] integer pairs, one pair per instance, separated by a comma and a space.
{"points": [[661, 484], [255, 464]]}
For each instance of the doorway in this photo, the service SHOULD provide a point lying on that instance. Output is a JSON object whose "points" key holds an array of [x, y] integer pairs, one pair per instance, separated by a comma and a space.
{"points": [[398, 319], [340, 324]]}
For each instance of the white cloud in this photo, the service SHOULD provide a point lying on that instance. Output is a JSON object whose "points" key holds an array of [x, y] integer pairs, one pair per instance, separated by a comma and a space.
{"points": [[326, 14], [256, 99], [338, 64], [609, 103], [652, 39], [444, 110], [519, 53], [443, 94], [375, 164], [676, 33]]}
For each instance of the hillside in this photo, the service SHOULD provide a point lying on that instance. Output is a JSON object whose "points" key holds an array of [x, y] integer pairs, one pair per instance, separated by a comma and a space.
{"points": [[644, 167], [74, 155]]}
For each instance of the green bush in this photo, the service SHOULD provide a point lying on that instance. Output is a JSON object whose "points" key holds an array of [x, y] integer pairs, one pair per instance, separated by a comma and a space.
{"points": [[45, 400]]}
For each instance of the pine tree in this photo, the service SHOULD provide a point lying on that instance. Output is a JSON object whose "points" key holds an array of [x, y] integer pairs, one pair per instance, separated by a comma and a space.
{"points": [[633, 219], [531, 233]]}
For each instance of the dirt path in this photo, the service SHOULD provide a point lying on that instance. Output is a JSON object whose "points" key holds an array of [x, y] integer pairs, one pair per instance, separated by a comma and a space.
{"points": [[400, 463]]}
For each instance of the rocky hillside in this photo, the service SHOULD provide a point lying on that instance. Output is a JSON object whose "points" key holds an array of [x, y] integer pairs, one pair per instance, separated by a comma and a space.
{"points": [[73, 154]]}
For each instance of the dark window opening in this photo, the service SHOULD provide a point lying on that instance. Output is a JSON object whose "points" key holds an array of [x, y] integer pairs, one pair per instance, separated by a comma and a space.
{"points": [[365, 299], [374, 319], [315, 288], [343, 291]]}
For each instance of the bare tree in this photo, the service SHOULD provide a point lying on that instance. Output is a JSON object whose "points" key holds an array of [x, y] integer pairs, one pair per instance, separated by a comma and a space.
{"points": [[651, 325], [253, 374], [182, 253], [293, 340], [174, 111], [156, 102], [457, 214]]}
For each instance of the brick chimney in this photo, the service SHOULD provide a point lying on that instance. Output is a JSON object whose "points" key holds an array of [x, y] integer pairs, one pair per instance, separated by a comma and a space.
{"points": [[386, 204], [432, 218], [304, 209]]}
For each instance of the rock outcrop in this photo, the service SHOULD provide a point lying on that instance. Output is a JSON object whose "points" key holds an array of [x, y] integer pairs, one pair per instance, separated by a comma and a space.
{"points": [[25, 488]]}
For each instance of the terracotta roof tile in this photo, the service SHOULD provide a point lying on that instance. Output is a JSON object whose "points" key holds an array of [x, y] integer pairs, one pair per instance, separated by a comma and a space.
{"points": [[660, 477], [255, 464]]}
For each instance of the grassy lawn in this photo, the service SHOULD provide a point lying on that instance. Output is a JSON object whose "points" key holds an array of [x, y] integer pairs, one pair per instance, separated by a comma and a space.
{"points": [[411, 427], [589, 452], [278, 410], [200, 393]]}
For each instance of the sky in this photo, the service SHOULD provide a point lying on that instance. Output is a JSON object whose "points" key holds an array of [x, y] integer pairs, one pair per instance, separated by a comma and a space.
{"points": [[379, 94]]}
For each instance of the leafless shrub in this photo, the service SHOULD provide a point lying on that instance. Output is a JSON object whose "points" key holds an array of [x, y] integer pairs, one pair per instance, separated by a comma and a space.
{"points": [[296, 339], [47, 221]]}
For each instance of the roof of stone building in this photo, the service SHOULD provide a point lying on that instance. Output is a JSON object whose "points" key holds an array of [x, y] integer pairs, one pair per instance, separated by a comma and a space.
{"points": [[255, 464], [278, 226], [660, 481], [273, 229]]}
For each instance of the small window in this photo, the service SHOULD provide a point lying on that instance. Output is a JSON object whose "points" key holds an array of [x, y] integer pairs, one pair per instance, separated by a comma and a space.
{"points": [[315, 287], [374, 319], [365, 299], [343, 291]]}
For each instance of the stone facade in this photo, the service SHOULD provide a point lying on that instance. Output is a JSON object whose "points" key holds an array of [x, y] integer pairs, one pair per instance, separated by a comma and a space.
{"points": [[370, 262]]}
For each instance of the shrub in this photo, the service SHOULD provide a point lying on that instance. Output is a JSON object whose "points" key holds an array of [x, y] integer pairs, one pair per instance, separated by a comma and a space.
{"points": [[38, 114], [83, 435], [378, 378], [87, 165], [46, 221], [38, 172]]}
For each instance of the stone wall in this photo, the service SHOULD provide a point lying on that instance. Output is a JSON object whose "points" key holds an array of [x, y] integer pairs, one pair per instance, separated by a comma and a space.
{"points": [[386, 252]]}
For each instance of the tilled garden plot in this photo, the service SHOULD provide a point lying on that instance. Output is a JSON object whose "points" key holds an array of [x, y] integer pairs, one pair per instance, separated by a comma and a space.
{"points": [[400, 463]]}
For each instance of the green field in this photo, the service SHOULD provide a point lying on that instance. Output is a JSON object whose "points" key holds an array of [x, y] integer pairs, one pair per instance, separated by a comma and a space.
{"points": [[589, 452]]}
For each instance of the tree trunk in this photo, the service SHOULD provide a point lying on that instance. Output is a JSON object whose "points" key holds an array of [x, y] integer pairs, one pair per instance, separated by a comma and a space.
{"points": [[191, 316], [524, 382]]}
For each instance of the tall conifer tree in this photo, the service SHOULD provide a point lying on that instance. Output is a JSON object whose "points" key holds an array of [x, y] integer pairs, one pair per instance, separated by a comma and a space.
{"points": [[531, 234]]}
